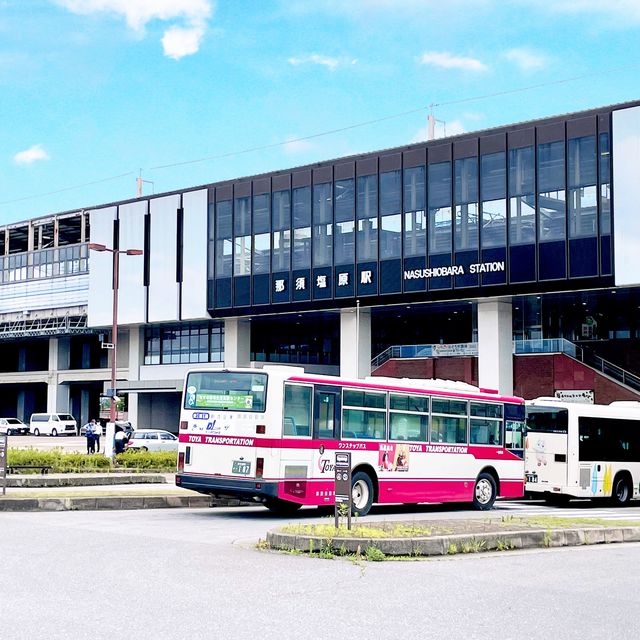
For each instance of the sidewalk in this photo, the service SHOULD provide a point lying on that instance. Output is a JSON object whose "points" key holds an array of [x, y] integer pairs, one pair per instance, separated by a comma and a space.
{"points": [[92, 491]]}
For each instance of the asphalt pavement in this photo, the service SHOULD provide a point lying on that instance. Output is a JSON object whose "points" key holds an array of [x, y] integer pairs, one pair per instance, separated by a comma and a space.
{"points": [[197, 574]]}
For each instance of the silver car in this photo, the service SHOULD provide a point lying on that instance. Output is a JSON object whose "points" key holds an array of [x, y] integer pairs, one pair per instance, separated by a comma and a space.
{"points": [[152, 440]]}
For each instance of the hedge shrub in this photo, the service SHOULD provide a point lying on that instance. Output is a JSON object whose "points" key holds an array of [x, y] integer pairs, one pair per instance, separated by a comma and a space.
{"points": [[78, 462], [148, 460]]}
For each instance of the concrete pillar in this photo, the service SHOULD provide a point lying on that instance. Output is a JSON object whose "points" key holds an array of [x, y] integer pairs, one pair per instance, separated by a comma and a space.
{"points": [[355, 343], [21, 407], [136, 352], [57, 396], [64, 353], [85, 408], [133, 415], [22, 359], [495, 346], [237, 342], [53, 354]]}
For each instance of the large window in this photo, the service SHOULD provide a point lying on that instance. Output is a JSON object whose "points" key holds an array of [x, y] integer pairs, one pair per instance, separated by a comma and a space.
{"points": [[408, 417], [466, 201], [414, 189], [184, 343], [448, 421], [493, 191], [439, 195], [364, 414], [522, 221], [390, 192], [322, 225], [485, 423], [281, 221], [552, 216], [297, 410], [605, 185], [583, 192], [608, 439], [224, 242]]}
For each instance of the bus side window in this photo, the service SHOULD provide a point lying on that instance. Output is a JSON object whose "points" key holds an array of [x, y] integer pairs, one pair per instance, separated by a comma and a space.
{"points": [[297, 410], [326, 412]]}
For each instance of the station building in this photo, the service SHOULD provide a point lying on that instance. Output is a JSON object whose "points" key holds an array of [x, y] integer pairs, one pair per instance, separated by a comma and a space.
{"points": [[508, 258]]}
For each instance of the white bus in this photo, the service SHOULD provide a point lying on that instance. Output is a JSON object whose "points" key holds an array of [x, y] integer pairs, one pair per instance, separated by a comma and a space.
{"points": [[271, 434], [583, 450]]}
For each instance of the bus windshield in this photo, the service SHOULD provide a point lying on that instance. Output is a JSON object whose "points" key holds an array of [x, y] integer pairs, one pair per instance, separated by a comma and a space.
{"points": [[226, 390], [547, 419]]}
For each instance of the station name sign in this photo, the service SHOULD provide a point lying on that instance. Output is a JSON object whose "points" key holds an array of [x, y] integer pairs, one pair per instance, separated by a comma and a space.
{"points": [[453, 270]]}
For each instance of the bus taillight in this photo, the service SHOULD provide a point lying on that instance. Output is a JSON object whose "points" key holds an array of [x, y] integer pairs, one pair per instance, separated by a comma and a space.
{"points": [[259, 467], [181, 461], [184, 424], [261, 428]]}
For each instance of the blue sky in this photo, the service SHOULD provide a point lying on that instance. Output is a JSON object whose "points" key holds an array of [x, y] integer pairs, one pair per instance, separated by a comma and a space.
{"points": [[93, 89]]}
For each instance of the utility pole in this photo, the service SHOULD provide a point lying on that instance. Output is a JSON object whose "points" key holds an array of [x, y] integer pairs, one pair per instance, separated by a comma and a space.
{"points": [[431, 124], [139, 183]]}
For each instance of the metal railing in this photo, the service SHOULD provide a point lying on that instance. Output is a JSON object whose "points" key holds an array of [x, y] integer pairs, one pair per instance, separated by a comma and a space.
{"points": [[520, 347], [51, 326]]}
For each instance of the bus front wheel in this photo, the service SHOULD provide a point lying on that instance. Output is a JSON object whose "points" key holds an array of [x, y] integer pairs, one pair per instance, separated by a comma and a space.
{"points": [[621, 494], [484, 492], [361, 493]]}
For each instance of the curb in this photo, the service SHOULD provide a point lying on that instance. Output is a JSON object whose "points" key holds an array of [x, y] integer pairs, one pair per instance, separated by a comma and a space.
{"points": [[462, 543], [113, 503], [16, 481]]}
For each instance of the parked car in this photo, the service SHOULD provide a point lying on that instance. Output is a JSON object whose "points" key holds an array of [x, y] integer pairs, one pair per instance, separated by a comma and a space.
{"points": [[53, 424], [152, 440], [11, 426]]}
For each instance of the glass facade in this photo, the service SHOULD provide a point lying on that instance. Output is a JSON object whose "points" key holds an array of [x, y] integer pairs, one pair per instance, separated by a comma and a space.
{"points": [[517, 208], [46, 263], [187, 342]]}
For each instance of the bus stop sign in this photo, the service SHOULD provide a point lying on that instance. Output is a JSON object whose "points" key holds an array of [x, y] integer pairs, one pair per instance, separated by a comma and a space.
{"points": [[342, 490]]}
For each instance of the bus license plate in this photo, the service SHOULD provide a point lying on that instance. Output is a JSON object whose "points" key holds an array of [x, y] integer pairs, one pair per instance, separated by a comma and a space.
{"points": [[241, 467], [532, 477]]}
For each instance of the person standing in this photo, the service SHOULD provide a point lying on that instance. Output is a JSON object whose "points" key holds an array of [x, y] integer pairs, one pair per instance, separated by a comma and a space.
{"points": [[97, 432], [88, 432]]}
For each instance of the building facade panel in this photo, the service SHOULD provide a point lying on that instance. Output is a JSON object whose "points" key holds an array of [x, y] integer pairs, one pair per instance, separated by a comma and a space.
{"points": [[626, 178], [164, 296], [193, 289], [100, 308], [132, 224]]}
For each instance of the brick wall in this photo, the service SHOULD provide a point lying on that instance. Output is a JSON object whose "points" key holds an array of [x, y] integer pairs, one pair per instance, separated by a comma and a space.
{"points": [[533, 375]]}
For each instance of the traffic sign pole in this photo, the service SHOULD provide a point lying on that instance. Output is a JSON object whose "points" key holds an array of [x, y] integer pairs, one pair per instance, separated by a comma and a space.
{"points": [[342, 491]]}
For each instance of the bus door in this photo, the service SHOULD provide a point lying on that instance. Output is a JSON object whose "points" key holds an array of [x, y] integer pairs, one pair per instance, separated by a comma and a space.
{"points": [[546, 447], [326, 429]]}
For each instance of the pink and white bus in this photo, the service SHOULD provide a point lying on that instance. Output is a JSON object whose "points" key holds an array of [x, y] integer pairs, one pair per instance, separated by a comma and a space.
{"points": [[271, 434]]}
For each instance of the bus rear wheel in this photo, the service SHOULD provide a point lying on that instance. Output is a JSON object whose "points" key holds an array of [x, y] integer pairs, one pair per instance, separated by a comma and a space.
{"points": [[621, 494], [484, 492], [361, 493], [282, 507]]}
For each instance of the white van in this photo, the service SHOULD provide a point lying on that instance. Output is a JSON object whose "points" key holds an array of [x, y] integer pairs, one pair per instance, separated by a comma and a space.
{"points": [[53, 424]]}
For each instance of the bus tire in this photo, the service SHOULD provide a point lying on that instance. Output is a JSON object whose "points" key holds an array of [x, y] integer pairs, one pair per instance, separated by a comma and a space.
{"points": [[484, 492], [282, 507], [622, 491], [361, 493]]}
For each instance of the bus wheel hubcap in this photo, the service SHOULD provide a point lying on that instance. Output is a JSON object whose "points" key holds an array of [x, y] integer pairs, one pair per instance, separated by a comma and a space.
{"points": [[360, 494], [483, 491]]}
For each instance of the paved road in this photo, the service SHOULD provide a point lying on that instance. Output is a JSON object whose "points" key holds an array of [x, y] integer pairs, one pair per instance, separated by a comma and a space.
{"points": [[197, 574], [69, 444]]}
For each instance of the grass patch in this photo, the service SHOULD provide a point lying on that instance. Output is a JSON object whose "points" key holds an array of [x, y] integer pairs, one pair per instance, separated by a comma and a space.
{"points": [[551, 522]]}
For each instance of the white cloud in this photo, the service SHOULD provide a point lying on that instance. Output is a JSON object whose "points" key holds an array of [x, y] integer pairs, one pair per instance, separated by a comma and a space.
{"points": [[31, 155], [325, 61], [294, 146], [446, 60], [178, 40], [442, 130], [526, 59]]}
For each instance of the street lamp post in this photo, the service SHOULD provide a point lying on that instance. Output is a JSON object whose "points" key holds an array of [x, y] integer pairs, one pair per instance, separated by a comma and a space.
{"points": [[94, 246]]}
